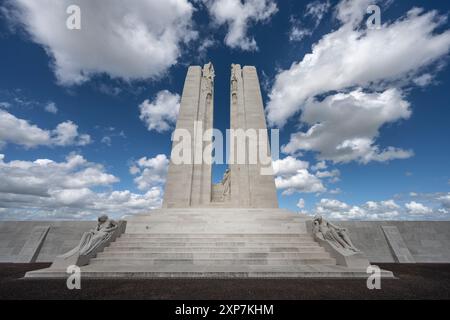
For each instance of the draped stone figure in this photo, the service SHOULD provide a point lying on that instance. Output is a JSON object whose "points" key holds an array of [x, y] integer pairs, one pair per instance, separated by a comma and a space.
{"points": [[92, 242], [233, 79], [208, 75], [226, 182], [92, 239], [336, 236]]}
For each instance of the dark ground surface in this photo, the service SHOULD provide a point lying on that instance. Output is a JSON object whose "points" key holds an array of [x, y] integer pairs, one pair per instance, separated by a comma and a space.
{"points": [[415, 281]]}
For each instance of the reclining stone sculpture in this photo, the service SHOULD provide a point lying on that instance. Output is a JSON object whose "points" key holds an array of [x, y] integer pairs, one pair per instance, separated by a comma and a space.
{"points": [[336, 236], [92, 242]]}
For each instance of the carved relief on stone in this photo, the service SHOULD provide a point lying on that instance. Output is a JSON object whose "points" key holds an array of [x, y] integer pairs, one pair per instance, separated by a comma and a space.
{"points": [[234, 98], [226, 182], [233, 79], [208, 99], [208, 77]]}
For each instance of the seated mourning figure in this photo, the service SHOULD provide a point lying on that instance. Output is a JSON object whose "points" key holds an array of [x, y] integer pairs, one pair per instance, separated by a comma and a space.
{"points": [[91, 243], [336, 236], [92, 239]]}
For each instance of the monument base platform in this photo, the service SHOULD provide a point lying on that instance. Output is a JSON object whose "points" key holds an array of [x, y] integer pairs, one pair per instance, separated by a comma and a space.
{"points": [[214, 243], [213, 272]]}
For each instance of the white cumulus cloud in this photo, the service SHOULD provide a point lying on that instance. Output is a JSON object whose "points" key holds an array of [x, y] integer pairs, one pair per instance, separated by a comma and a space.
{"points": [[238, 15], [417, 208], [66, 133], [161, 113], [130, 40], [51, 108], [301, 204], [315, 11], [344, 127], [371, 210], [288, 166], [46, 189], [445, 200], [22, 132], [150, 172], [302, 181], [353, 56], [379, 210], [42, 176], [293, 176]]}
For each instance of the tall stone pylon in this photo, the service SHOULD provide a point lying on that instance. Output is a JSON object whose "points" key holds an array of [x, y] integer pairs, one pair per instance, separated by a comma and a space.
{"points": [[190, 184], [249, 187]]}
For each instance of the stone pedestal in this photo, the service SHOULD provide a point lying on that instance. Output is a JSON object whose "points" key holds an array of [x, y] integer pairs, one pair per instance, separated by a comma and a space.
{"points": [[214, 243]]}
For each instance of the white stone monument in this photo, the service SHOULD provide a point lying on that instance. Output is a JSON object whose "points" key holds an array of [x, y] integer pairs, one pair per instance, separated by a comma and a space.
{"points": [[230, 229], [190, 185]]}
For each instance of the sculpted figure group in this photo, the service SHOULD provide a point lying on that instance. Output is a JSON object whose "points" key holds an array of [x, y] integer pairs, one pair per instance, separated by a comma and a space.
{"points": [[336, 236], [226, 182], [92, 239]]}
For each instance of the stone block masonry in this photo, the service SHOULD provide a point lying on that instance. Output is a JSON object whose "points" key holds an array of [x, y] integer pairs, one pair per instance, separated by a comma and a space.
{"points": [[189, 185], [427, 241]]}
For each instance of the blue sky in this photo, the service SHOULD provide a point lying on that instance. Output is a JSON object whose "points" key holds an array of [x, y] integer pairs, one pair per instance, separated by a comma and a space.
{"points": [[363, 114]]}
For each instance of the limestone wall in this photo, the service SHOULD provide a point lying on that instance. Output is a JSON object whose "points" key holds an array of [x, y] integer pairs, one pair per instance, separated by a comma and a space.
{"points": [[427, 241], [61, 237]]}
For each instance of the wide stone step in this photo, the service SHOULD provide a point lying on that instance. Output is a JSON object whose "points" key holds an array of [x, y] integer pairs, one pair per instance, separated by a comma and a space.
{"points": [[215, 240], [115, 248], [217, 244], [242, 212], [223, 272], [187, 228], [213, 255], [222, 216], [215, 225], [230, 219], [216, 235], [228, 211], [216, 262]]}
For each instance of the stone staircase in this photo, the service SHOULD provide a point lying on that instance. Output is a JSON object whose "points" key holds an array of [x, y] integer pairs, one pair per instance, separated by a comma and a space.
{"points": [[213, 250], [219, 243], [217, 192]]}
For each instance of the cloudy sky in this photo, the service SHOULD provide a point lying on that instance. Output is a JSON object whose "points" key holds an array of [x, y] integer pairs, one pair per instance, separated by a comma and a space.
{"points": [[86, 115]]}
